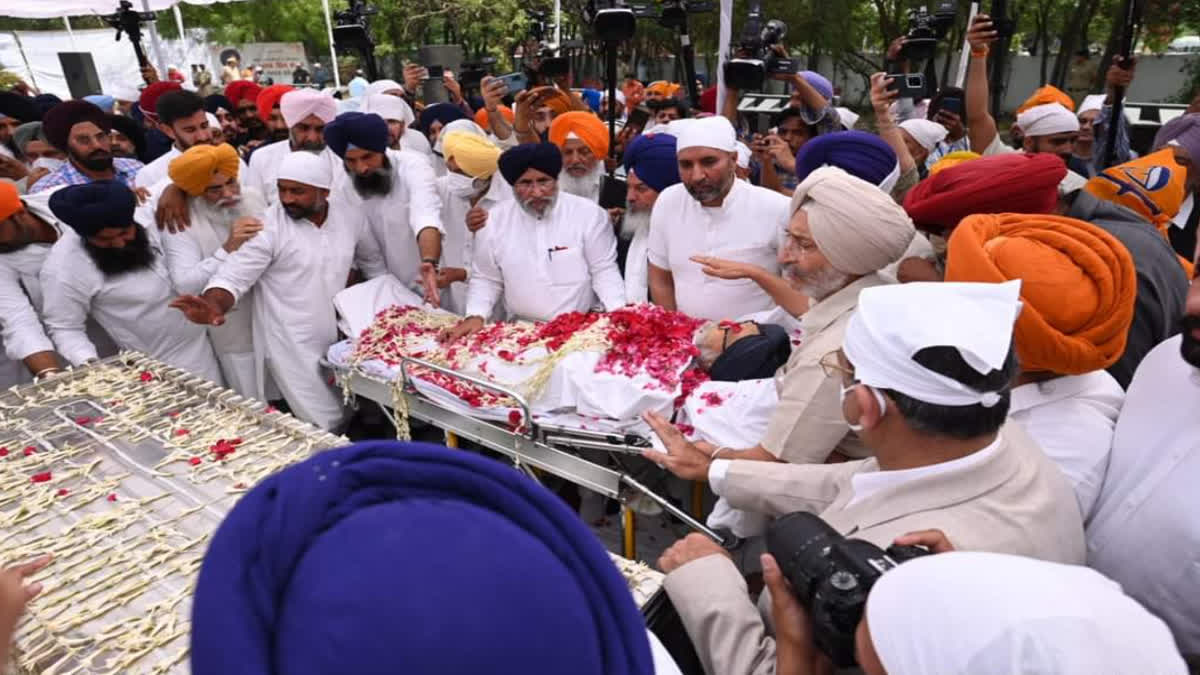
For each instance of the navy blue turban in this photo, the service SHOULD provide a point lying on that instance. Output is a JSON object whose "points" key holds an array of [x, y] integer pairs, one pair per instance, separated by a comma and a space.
{"points": [[44, 102], [215, 102], [545, 157], [352, 130], [388, 557], [438, 112], [91, 207], [18, 107], [652, 158], [858, 153], [754, 357]]}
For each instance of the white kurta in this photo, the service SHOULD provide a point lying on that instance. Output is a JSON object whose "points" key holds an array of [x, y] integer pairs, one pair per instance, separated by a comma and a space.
{"points": [[545, 266], [637, 268], [746, 227], [148, 176], [395, 219], [458, 244], [1144, 533], [263, 171], [131, 307], [296, 268], [1072, 419], [193, 256], [20, 290]]}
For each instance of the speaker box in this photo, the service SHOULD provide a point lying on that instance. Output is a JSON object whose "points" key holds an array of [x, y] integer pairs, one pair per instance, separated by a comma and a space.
{"points": [[80, 72]]}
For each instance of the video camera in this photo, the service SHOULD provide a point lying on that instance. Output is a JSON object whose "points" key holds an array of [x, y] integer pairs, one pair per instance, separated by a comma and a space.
{"points": [[926, 29], [831, 576], [128, 21], [351, 32], [754, 57], [471, 73], [610, 20]]}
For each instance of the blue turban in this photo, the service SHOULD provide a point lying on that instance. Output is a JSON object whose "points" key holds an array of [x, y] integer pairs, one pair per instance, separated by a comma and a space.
{"points": [[384, 557], [438, 112], [544, 157], [858, 153], [819, 82], [44, 102], [101, 101], [215, 102], [592, 97], [91, 207], [352, 130], [652, 158]]}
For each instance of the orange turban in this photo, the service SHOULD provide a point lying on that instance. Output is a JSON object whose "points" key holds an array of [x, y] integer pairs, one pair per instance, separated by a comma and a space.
{"points": [[269, 98], [586, 126], [10, 200], [481, 117], [557, 101], [1153, 186], [1047, 94], [953, 159], [192, 170], [1078, 284], [667, 89]]}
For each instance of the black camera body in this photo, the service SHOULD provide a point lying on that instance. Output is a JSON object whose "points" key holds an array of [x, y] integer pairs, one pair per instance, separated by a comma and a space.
{"points": [[755, 59], [610, 20], [926, 29], [832, 576]]}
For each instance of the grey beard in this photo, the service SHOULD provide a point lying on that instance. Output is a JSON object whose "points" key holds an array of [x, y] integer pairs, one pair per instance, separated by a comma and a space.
{"points": [[587, 186], [549, 207], [819, 285], [633, 221], [220, 217]]}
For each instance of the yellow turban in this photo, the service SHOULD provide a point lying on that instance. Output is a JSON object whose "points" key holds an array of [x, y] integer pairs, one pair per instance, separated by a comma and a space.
{"points": [[1047, 94], [953, 159], [586, 127], [474, 154], [667, 89], [1078, 284], [192, 170]]}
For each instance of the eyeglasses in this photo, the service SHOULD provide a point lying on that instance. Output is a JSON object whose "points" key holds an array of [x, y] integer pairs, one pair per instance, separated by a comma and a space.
{"points": [[539, 183], [832, 366]]}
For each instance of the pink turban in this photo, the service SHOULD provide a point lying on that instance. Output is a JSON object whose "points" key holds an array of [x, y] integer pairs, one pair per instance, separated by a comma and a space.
{"points": [[300, 103]]}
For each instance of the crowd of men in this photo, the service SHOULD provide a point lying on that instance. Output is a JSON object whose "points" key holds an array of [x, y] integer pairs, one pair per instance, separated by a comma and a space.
{"points": [[998, 338]]}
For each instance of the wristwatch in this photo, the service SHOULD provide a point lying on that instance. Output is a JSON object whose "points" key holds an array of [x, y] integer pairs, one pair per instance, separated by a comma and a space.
{"points": [[431, 261]]}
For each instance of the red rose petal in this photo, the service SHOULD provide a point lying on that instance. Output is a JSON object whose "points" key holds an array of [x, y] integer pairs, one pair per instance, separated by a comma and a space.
{"points": [[194, 461], [63, 492], [146, 376], [29, 450], [182, 432], [112, 497], [42, 477], [3, 452]]}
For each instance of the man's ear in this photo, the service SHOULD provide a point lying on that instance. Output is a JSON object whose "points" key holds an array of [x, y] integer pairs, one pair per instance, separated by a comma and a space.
{"points": [[870, 413]]}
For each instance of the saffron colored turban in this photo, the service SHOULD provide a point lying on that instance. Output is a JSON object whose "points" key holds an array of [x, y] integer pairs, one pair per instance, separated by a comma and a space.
{"points": [[148, 101], [477, 156], [545, 157], [58, 121], [667, 89], [557, 101], [10, 200], [384, 557], [652, 158], [297, 104], [481, 116], [1008, 183], [1047, 94], [269, 98], [242, 90], [192, 170], [352, 130], [858, 226], [582, 125], [1153, 186], [953, 159], [91, 207], [1078, 284]]}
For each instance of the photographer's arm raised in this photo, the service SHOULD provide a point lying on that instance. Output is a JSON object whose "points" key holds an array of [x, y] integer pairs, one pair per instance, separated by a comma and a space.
{"points": [[981, 126]]}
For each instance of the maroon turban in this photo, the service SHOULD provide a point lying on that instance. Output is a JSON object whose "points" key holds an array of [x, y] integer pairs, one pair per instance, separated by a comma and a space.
{"points": [[1010, 183], [58, 121]]}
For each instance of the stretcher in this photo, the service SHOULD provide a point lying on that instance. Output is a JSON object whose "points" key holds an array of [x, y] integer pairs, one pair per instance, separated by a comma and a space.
{"points": [[123, 469]]}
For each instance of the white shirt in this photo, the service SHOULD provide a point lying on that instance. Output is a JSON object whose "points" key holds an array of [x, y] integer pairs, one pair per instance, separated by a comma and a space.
{"points": [[746, 228], [131, 307], [545, 266], [1185, 211], [21, 328], [395, 219], [150, 175], [637, 270], [458, 244], [263, 171], [1072, 418], [1144, 532], [296, 268]]}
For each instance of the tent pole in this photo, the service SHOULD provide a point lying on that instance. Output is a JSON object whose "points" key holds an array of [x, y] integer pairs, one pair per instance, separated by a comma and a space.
{"points": [[67, 23], [178, 21], [155, 44], [337, 78], [28, 68]]}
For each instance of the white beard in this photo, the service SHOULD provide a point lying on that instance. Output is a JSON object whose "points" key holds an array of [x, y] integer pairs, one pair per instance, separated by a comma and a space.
{"points": [[633, 221], [223, 217], [820, 285], [587, 186]]}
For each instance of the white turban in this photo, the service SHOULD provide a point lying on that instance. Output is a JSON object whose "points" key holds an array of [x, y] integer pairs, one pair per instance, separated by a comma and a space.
{"points": [[620, 96], [705, 132], [858, 226], [388, 107], [309, 168], [381, 86], [1047, 119], [297, 104], [848, 117], [1091, 102], [743, 152], [970, 612], [213, 122], [467, 126], [927, 133]]}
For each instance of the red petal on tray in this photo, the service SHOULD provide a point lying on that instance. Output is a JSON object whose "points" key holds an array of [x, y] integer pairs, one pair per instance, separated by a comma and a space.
{"points": [[112, 497], [63, 492], [42, 477], [30, 450], [146, 376]]}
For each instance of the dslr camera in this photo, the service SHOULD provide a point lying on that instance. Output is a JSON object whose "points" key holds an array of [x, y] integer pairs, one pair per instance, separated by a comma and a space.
{"points": [[832, 576], [926, 29], [755, 60]]}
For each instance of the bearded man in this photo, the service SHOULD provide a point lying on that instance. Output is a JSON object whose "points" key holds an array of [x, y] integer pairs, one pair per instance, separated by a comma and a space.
{"points": [[583, 140], [84, 132]]}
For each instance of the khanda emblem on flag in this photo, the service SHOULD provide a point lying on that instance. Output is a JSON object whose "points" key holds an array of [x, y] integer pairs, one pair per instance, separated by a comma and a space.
{"points": [[1152, 186]]}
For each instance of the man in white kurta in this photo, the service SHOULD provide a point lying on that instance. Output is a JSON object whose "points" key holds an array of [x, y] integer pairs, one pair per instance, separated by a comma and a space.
{"points": [[181, 116], [306, 112], [27, 231], [296, 264], [650, 168], [115, 275], [545, 252], [395, 192], [712, 214], [223, 217]]}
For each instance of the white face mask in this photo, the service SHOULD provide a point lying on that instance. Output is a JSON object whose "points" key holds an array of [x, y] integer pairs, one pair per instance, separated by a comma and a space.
{"points": [[843, 389], [48, 163], [460, 185]]}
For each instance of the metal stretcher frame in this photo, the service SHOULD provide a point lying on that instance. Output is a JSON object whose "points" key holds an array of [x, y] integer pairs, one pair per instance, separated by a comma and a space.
{"points": [[534, 445]]}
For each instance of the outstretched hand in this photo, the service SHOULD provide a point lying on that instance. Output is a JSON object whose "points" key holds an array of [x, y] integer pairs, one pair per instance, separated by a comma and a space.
{"points": [[683, 458], [199, 310], [726, 269]]}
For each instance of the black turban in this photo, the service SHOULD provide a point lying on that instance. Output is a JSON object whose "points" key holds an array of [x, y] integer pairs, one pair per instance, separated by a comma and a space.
{"points": [[544, 157], [215, 102], [18, 107], [58, 121], [356, 130], [754, 357], [131, 129], [91, 207], [44, 102]]}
